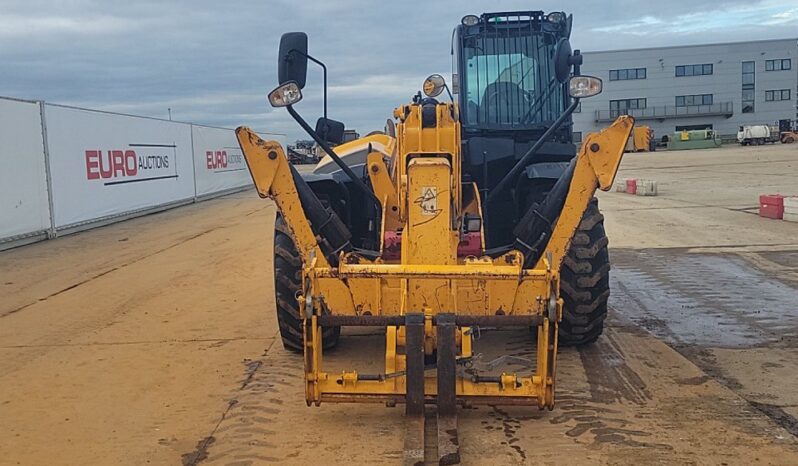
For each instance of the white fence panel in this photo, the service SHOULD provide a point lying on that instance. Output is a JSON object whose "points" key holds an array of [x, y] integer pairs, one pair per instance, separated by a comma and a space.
{"points": [[105, 164], [219, 164], [24, 204]]}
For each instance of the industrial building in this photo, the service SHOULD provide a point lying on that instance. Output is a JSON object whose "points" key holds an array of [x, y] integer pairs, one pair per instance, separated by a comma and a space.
{"points": [[712, 86]]}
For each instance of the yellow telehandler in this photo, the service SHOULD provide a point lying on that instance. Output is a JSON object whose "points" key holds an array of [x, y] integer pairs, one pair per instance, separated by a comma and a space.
{"points": [[410, 231]]}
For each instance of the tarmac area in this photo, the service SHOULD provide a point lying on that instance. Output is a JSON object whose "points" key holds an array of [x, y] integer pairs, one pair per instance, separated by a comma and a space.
{"points": [[154, 341]]}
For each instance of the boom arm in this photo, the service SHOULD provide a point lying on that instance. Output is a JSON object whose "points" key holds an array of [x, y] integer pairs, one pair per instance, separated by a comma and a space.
{"points": [[596, 166], [274, 179]]}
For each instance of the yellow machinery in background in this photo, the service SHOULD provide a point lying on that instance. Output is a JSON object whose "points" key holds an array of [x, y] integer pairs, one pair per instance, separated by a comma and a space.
{"points": [[641, 140], [430, 282]]}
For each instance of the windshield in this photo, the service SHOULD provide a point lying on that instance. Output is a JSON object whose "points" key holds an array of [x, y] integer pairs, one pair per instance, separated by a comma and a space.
{"points": [[509, 82]]}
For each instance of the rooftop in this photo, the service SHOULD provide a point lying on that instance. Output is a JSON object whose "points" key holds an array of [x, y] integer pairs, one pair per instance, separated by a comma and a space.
{"points": [[794, 39]]}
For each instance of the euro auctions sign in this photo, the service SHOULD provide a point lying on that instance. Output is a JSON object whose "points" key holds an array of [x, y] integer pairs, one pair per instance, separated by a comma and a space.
{"points": [[106, 164], [228, 159], [219, 164], [135, 163]]}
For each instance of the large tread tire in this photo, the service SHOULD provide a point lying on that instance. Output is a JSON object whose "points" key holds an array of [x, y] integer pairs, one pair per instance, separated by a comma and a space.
{"points": [[585, 281], [287, 282]]}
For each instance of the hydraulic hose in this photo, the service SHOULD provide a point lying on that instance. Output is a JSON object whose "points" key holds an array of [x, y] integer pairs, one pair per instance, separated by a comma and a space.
{"points": [[333, 234], [534, 230]]}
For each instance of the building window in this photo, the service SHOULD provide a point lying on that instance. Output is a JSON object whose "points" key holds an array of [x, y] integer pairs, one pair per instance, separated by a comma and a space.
{"points": [[697, 99], [749, 85], [693, 127], [779, 64], [577, 136], [628, 73], [621, 106], [776, 95], [693, 70]]}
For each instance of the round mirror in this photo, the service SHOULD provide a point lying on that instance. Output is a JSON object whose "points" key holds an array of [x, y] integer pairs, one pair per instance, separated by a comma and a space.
{"points": [[434, 85], [562, 60]]}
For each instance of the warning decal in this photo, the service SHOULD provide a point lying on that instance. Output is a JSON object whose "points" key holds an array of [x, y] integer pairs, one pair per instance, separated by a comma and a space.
{"points": [[429, 200]]}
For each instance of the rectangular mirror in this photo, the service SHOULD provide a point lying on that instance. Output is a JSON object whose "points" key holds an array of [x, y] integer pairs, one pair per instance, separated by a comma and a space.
{"points": [[330, 130], [292, 61]]}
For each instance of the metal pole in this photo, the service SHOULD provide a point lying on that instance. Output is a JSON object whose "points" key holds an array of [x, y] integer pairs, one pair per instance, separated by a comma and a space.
{"points": [[193, 159], [51, 233]]}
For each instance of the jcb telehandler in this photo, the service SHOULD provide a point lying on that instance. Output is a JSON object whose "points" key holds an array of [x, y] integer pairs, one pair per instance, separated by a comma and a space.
{"points": [[470, 212]]}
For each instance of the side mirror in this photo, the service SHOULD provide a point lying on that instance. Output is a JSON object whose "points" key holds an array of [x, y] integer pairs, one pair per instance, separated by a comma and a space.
{"points": [[562, 59], [330, 130], [584, 86], [434, 85], [390, 128], [292, 62]]}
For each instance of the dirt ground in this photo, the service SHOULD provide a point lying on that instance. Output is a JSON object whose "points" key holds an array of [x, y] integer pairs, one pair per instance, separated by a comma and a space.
{"points": [[154, 341]]}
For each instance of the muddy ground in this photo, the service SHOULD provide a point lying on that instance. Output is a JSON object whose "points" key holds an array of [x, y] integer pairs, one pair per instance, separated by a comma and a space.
{"points": [[154, 341]]}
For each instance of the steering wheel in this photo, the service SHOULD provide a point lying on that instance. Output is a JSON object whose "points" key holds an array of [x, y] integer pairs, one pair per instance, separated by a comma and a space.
{"points": [[503, 95]]}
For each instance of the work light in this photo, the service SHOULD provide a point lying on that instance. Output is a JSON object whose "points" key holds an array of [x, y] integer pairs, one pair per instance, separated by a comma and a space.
{"points": [[285, 94], [470, 20], [584, 86]]}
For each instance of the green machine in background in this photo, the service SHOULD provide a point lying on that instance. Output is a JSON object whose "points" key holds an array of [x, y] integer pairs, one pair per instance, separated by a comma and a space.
{"points": [[695, 139]]}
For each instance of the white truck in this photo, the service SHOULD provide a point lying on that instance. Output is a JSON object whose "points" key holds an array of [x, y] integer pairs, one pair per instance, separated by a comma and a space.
{"points": [[757, 134]]}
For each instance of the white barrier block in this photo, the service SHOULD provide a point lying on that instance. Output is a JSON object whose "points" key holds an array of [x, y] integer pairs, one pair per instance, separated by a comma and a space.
{"points": [[646, 188], [620, 185], [791, 205]]}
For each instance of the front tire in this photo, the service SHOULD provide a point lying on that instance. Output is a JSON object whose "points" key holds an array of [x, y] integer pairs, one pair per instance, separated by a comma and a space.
{"points": [[287, 283], [585, 281]]}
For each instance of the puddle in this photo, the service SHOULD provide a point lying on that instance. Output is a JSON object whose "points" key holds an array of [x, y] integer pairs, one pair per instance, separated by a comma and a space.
{"points": [[702, 299]]}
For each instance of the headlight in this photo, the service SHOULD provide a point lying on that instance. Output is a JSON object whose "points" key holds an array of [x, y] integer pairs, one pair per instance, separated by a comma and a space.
{"points": [[556, 17], [584, 86], [285, 95], [470, 20]]}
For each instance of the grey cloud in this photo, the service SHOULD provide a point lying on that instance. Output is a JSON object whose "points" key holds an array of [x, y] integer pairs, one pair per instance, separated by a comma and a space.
{"points": [[213, 62]]}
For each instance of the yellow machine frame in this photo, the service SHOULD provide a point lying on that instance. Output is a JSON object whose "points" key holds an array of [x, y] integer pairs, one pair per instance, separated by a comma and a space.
{"points": [[421, 192]]}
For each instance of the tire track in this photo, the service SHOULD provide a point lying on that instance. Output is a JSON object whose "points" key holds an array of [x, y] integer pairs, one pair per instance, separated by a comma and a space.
{"points": [[243, 419]]}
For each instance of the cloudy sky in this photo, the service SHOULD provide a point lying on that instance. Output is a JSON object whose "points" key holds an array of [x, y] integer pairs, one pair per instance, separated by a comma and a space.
{"points": [[213, 62]]}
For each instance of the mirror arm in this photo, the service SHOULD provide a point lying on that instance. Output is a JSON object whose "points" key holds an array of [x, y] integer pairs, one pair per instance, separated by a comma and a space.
{"points": [[521, 164], [324, 69], [448, 91], [451, 98], [344, 167]]}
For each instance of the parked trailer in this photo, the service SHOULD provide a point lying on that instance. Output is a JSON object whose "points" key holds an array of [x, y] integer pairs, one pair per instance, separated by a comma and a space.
{"points": [[694, 139], [757, 134]]}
